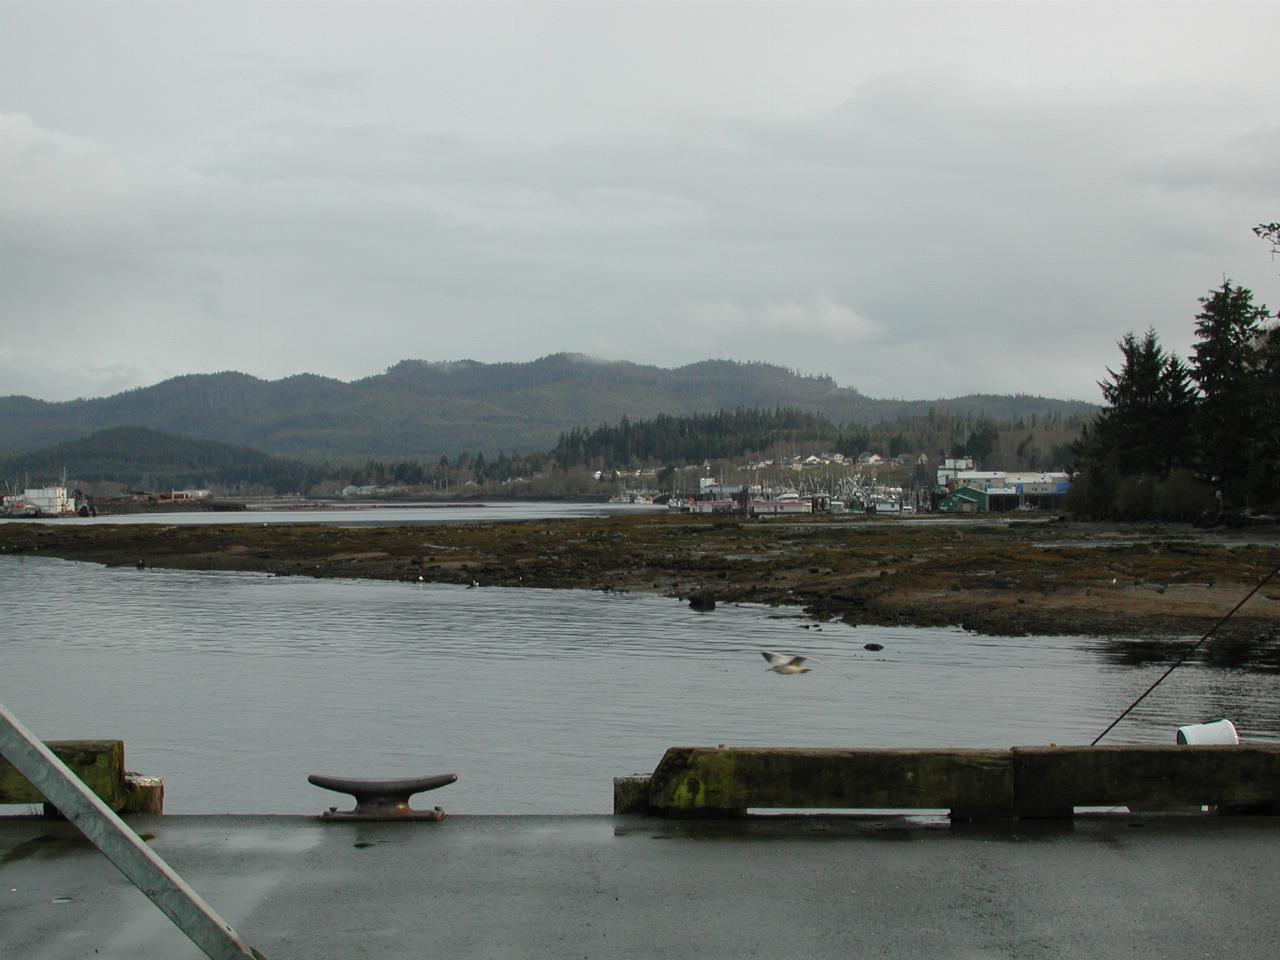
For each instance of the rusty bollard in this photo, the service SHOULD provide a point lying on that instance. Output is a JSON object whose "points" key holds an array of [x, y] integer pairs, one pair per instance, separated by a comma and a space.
{"points": [[382, 799]]}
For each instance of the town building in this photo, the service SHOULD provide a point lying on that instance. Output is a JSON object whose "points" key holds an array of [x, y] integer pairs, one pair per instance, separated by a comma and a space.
{"points": [[980, 491]]}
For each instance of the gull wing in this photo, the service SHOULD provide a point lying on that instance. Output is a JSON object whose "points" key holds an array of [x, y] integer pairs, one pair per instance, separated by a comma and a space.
{"points": [[785, 660], [781, 659]]}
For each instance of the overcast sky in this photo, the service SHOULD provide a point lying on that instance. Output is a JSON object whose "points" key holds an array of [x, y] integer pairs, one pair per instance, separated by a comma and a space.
{"points": [[919, 199]]}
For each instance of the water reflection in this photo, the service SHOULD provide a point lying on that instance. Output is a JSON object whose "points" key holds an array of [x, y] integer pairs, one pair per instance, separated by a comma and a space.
{"points": [[1135, 653], [236, 686], [1260, 653]]}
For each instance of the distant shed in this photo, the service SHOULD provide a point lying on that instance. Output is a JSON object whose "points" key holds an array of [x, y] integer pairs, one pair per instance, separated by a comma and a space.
{"points": [[965, 500]]}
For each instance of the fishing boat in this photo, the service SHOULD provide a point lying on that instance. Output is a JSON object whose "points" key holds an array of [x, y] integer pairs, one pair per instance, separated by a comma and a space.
{"points": [[41, 502], [781, 505]]}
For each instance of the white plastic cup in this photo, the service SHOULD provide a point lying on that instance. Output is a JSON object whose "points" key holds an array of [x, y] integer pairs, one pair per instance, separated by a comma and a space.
{"points": [[1219, 731]]}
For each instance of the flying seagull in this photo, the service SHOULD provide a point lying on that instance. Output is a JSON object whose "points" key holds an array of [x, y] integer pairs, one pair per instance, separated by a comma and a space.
{"points": [[786, 664], [781, 663]]}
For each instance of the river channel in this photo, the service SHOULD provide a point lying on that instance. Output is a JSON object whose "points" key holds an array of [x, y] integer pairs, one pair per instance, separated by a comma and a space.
{"points": [[234, 687], [370, 514]]}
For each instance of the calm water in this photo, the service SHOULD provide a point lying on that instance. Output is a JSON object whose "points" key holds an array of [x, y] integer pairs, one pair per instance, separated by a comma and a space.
{"points": [[375, 514], [234, 687]]}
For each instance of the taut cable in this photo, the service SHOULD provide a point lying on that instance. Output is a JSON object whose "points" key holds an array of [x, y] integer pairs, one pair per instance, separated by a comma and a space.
{"points": [[1183, 659]]}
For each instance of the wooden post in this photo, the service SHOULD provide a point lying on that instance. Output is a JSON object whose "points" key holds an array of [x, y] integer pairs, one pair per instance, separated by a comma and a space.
{"points": [[143, 794]]}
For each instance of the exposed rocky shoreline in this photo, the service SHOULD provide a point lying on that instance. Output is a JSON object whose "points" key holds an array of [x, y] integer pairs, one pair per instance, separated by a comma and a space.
{"points": [[996, 577]]}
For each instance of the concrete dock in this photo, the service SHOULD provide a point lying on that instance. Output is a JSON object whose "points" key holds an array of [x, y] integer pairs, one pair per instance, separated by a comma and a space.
{"points": [[628, 886]]}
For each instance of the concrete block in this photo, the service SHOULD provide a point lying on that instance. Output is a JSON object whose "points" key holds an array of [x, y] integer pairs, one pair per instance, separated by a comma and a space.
{"points": [[99, 763], [1051, 780], [714, 781], [631, 794]]}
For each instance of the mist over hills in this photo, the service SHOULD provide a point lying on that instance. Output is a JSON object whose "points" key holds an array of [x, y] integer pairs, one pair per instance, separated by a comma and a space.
{"points": [[424, 409]]}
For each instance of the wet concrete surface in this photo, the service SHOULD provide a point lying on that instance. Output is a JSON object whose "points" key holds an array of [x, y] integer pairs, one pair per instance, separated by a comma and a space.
{"points": [[601, 886]]}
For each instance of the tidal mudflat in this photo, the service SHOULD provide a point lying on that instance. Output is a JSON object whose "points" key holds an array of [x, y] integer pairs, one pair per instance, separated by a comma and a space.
{"points": [[997, 577]]}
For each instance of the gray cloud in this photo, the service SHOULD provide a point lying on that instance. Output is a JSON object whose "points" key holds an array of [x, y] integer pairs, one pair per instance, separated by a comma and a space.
{"points": [[987, 208]]}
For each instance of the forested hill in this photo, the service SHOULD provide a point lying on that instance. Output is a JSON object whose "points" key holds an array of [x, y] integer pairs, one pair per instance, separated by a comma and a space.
{"points": [[423, 409], [146, 459]]}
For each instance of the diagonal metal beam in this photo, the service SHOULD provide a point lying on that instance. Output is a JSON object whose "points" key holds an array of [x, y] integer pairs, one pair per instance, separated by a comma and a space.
{"points": [[124, 848]]}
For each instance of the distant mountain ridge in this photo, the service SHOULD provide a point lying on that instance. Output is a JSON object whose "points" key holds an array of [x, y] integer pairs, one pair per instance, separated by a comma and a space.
{"points": [[424, 409]]}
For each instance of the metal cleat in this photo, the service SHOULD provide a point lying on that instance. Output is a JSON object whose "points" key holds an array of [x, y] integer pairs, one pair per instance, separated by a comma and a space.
{"points": [[382, 799]]}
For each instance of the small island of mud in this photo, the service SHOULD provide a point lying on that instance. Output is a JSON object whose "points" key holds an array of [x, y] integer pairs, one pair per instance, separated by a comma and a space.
{"points": [[993, 576]]}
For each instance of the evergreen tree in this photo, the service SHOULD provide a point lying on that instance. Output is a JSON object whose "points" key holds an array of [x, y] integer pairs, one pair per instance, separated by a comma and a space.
{"points": [[1177, 404], [1141, 435], [981, 442], [1265, 482], [1225, 367], [1130, 425]]}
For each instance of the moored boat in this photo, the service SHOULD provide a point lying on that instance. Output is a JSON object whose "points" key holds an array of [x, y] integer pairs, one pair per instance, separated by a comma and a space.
{"points": [[40, 502]]}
